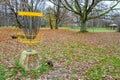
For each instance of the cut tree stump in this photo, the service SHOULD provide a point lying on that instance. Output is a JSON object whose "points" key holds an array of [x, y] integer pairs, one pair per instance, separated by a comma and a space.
{"points": [[30, 60]]}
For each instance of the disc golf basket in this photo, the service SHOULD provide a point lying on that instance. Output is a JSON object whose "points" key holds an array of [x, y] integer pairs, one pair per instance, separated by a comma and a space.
{"points": [[30, 36]]}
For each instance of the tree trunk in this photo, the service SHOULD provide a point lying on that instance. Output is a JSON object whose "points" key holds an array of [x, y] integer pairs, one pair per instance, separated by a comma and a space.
{"points": [[56, 25], [50, 23], [83, 27], [118, 29]]}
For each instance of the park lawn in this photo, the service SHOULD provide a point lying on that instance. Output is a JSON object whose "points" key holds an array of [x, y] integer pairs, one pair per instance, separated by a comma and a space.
{"points": [[87, 56], [94, 29]]}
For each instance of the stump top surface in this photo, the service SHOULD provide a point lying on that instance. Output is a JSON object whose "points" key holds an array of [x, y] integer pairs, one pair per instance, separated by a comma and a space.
{"points": [[29, 52]]}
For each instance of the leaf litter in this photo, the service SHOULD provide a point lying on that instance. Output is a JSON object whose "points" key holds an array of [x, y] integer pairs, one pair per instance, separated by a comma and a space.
{"points": [[72, 53]]}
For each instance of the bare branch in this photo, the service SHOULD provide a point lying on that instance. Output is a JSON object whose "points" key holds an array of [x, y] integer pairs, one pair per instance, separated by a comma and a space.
{"points": [[102, 14]]}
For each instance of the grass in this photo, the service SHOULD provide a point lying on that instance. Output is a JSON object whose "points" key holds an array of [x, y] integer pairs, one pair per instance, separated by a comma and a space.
{"points": [[76, 55], [88, 54], [100, 71], [3, 71], [95, 29], [100, 30], [17, 72]]}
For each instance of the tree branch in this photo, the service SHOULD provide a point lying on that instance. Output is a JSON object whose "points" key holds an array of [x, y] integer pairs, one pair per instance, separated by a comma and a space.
{"points": [[102, 14], [93, 4], [78, 7], [15, 13], [85, 9]]}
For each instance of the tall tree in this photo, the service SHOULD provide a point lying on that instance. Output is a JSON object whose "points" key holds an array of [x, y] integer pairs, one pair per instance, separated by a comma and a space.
{"points": [[57, 12], [30, 25], [50, 18], [13, 6], [84, 8], [22, 5]]}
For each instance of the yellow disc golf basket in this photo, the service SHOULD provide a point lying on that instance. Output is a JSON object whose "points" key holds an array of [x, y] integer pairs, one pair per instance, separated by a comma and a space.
{"points": [[30, 38], [30, 14], [22, 38]]}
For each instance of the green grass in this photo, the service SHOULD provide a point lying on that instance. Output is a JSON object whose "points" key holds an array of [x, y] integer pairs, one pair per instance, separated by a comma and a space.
{"points": [[88, 54], [89, 29], [100, 30], [70, 55], [112, 68], [17, 69], [3, 71], [93, 29]]}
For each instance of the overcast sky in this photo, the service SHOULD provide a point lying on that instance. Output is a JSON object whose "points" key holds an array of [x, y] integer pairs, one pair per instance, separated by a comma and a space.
{"points": [[107, 2], [111, 2], [46, 4]]}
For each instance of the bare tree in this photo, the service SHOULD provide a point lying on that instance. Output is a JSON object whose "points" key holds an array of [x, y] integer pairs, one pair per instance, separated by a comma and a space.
{"points": [[13, 6], [4, 13], [83, 8], [21, 5], [50, 18], [25, 22], [57, 12]]}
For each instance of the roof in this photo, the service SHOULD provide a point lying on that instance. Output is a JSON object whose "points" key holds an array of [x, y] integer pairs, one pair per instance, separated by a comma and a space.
{"points": [[113, 25]]}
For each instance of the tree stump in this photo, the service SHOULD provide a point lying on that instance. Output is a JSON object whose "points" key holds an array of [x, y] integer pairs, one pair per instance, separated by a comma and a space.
{"points": [[30, 60]]}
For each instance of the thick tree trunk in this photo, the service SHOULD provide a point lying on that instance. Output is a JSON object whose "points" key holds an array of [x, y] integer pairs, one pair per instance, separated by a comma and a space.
{"points": [[56, 25], [118, 29], [83, 27], [50, 23]]}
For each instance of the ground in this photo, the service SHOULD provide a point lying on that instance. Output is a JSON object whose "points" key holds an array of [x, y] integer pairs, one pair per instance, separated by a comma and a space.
{"points": [[75, 55]]}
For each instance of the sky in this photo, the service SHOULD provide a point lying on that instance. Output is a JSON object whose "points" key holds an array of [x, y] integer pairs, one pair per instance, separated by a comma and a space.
{"points": [[110, 3], [107, 2], [46, 4]]}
